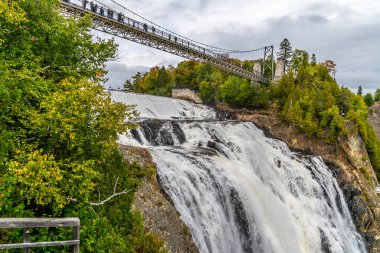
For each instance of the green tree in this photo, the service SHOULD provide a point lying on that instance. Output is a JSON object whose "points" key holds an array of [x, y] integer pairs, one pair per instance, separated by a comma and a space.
{"points": [[360, 91], [59, 129], [136, 82], [377, 95], [313, 60], [286, 52], [312, 101], [368, 99], [185, 75], [300, 59]]}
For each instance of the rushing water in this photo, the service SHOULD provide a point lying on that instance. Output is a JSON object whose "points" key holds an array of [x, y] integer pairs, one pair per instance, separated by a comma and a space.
{"points": [[237, 190]]}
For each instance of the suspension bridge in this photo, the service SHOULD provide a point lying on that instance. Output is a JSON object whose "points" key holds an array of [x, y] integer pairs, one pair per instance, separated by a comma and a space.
{"points": [[145, 32]]}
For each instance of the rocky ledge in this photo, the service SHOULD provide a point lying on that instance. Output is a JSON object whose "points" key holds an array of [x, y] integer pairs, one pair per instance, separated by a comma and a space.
{"points": [[374, 117], [348, 159], [160, 215]]}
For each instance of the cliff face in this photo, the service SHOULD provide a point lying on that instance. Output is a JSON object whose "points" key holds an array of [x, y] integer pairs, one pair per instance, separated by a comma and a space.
{"points": [[374, 117], [350, 163], [160, 215]]}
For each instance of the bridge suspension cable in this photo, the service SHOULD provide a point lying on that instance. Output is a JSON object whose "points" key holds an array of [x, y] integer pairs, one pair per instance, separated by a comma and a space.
{"points": [[213, 48], [156, 36]]}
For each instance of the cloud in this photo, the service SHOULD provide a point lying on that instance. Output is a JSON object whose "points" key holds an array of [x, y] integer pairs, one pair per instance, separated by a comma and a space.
{"points": [[345, 31], [119, 72]]}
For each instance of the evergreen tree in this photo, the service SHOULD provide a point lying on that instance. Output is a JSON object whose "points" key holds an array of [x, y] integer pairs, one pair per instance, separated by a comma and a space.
{"points": [[128, 85], [360, 91], [285, 52], [313, 61], [368, 99], [377, 95], [163, 78]]}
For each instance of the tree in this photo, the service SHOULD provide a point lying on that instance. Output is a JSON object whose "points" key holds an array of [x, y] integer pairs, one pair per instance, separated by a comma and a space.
{"points": [[368, 99], [129, 86], [163, 78], [377, 95], [300, 59], [360, 91], [285, 52], [59, 128], [313, 61]]}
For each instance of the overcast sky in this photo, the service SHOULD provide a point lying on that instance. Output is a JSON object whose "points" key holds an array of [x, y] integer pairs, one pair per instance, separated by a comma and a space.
{"points": [[345, 31]]}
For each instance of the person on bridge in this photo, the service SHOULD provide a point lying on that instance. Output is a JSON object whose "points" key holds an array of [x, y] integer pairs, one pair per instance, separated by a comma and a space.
{"points": [[110, 13], [84, 3], [153, 29], [145, 27], [120, 17], [93, 6], [175, 39], [101, 11]]}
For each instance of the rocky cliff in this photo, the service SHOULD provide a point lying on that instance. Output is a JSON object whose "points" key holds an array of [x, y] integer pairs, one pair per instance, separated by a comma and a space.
{"points": [[186, 94], [160, 215], [348, 159], [374, 117]]}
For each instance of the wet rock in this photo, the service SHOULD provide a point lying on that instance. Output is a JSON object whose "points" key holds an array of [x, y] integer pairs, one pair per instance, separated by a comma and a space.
{"points": [[159, 132]]}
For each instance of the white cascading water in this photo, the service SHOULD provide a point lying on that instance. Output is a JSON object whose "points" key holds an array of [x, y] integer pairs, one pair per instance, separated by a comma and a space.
{"points": [[237, 190]]}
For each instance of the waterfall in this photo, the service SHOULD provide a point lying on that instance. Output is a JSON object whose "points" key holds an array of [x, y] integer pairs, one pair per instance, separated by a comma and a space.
{"points": [[235, 188]]}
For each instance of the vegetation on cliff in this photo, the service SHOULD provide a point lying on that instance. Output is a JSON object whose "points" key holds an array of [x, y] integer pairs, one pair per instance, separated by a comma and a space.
{"points": [[311, 100], [211, 83], [58, 151]]}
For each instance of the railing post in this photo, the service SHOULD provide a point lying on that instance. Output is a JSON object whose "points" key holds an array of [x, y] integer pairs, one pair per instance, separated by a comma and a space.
{"points": [[76, 235], [27, 239]]}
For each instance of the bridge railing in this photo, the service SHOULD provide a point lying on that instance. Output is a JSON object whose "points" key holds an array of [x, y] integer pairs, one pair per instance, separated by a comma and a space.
{"points": [[148, 28], [28, 223], [171, 37]]}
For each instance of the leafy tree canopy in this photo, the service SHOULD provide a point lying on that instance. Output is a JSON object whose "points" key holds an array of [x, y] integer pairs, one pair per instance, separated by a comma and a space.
{"points": [[58, 151]]}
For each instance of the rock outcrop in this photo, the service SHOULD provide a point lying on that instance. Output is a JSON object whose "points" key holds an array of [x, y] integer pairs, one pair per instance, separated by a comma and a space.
{"points": [[374, 117], [160, 215], [186, 94], [348, 159]]}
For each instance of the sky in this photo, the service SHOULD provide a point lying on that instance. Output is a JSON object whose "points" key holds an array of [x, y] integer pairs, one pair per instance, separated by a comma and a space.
{"points": [[345, 31]]}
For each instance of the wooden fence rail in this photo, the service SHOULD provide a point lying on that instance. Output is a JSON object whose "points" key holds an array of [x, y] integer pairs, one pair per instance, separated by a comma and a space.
{"points": [[28, 223]]}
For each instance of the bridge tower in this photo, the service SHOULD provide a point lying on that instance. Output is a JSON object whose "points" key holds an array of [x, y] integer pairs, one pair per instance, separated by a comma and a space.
{"points": [[268, 62]]}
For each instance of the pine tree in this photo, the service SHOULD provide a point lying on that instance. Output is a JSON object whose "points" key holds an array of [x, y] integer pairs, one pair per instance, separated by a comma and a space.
{"points": [[286, 52], [360, 91], [313, 61], [368, 99]]}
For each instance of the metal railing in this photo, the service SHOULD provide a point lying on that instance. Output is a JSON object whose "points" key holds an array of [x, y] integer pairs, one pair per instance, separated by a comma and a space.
{"points": [[143, 33], [28, 223]]}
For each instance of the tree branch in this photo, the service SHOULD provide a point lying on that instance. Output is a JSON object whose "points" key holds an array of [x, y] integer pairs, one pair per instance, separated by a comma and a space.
{"points": [[100, 203], [110, 197]]}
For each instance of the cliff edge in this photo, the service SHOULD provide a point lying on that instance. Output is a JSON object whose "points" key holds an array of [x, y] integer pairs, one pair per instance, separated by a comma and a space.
{"points": [[160, 215], [374, 117]]}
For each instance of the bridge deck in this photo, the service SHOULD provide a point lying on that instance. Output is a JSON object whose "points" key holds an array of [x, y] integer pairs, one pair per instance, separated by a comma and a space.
{"points": [[133, 30]]}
